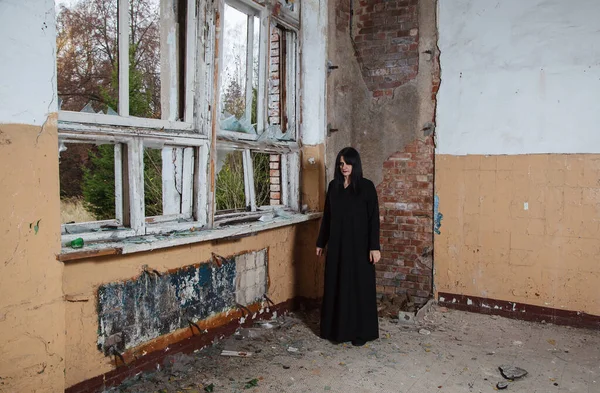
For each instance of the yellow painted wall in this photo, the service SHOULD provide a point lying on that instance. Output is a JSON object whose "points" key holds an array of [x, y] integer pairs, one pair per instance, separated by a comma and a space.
{"points": [[492, 245], [32, 324]]}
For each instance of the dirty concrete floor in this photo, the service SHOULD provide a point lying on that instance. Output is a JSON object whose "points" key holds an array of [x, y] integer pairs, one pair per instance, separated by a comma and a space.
{"points": [[462, 353]]}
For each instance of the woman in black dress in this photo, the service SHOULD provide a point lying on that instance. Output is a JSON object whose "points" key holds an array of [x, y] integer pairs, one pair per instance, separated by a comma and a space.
{"points": [[350, 229]]}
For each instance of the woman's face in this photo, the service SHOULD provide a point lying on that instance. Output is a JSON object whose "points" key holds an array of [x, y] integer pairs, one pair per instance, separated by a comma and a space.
{"points": [[346, 169]]}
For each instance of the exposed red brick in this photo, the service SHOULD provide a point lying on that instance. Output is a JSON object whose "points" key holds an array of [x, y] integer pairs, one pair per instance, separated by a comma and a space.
{"points": [[386, 40], [275, 180], [407, 219]]}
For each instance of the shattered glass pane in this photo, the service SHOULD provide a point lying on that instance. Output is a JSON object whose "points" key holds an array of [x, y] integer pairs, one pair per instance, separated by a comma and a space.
{"points": [[261, 163], [150, 45]]}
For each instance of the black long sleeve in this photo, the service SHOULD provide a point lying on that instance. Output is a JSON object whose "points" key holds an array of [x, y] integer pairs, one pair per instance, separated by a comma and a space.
{"points": [[325, 223], [373, 213]]}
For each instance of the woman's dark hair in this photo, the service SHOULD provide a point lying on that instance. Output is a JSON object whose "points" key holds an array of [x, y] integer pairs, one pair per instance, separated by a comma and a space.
{"points": [[351, 157]]}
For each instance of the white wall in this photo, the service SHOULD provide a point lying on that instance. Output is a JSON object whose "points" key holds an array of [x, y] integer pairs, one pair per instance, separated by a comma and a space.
{"points": [[519, 76], [27, 61]]}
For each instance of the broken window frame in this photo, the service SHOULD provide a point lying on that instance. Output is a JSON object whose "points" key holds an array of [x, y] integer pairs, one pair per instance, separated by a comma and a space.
{"points": [[288, 149], [289, 112], [169, 122], [177, 206], [129, 188], [71, 231], [290, 182], [252, 9], [199, 130], [134, 132]]}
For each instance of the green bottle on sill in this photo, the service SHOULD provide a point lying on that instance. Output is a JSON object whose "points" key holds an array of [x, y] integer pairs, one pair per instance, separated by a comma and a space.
{"points": [[77, 243]]}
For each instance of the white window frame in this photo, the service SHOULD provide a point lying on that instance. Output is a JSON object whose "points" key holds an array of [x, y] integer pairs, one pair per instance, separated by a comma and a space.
{"points": [[248, 143], [289, 167], [138, 223], [136, 132], [292, 84], [198, 130], [124, 119]]}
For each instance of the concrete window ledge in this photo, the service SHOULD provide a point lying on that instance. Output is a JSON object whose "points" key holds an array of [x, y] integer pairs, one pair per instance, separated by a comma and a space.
{"points": [[155, 242]]}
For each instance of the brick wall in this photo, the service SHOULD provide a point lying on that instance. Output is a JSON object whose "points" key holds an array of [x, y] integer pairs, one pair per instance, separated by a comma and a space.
{"points": [[385, 36], [274, 107], [342, 15], [274, 111], [275, 179], [386, 39], [406, 209]]}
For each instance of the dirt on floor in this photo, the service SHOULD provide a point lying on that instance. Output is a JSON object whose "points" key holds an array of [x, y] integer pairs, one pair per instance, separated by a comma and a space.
{"points": [[389, 306], [442, 351]]}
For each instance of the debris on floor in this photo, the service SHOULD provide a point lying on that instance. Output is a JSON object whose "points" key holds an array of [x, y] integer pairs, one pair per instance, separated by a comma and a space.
{"points": [[462, 354], [388, 306], [236, 353], [512, 372]]}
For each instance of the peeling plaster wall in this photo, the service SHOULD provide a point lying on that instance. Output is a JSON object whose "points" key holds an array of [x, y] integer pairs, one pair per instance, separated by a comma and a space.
{"points": [[292, 270], [32, 312], [377, 126], [520, 88], [520, 228], [388, 118]]}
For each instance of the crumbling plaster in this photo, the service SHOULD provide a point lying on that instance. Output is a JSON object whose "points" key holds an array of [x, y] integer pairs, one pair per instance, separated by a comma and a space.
{"points": [[293, 270], [49, 340], [377, 127], [520, 228]]}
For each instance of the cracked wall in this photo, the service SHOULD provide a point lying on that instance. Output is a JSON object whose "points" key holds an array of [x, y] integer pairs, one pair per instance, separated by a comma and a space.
{"points": [[32, 321], [517, 160], [380, 102], [31, 305]]}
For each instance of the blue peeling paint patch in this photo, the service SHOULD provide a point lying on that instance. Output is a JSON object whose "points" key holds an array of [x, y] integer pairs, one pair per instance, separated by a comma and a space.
{"points": [[437, 216], [151, 305]]}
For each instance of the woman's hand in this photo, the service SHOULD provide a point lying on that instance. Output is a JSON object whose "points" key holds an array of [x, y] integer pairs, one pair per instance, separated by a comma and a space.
{"points": [[375, 256], [319, 251]]}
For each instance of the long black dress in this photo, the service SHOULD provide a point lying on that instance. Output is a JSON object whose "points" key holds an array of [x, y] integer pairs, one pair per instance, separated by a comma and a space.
{"points": [[350, 229]]}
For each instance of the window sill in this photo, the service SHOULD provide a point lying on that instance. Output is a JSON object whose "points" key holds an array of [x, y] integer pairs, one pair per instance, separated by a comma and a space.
{"points": [[155, 242]]}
